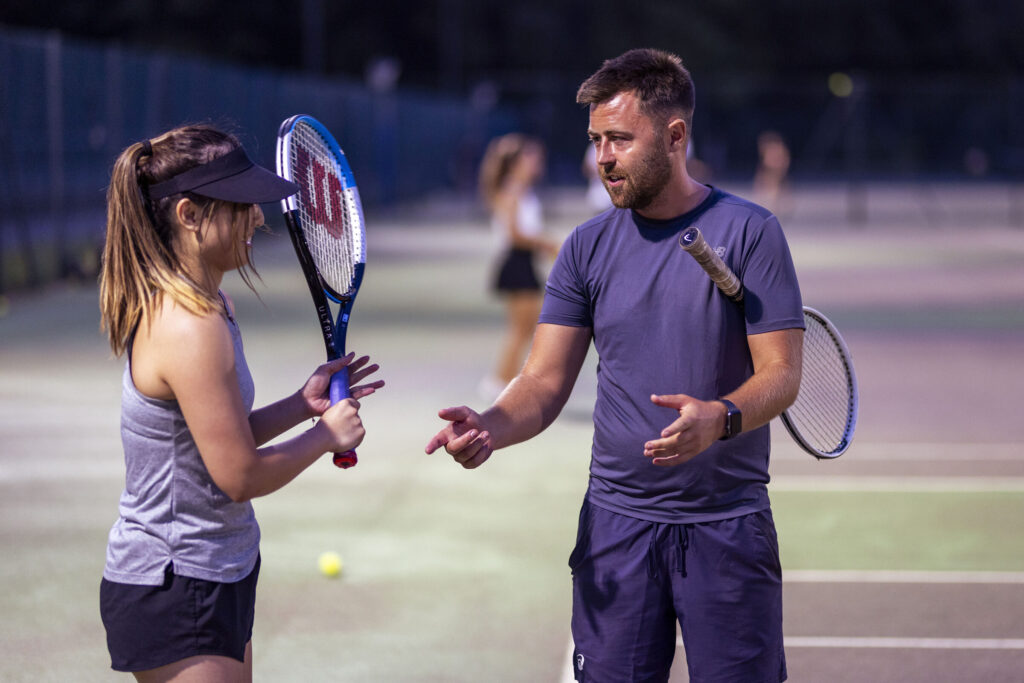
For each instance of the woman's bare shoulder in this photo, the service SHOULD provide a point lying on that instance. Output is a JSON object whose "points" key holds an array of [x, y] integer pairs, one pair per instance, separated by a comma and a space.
{"points": [[176, 345]]}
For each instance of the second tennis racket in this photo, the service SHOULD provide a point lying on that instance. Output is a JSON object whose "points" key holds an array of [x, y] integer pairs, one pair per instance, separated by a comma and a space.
{"points": [[325, 221]]}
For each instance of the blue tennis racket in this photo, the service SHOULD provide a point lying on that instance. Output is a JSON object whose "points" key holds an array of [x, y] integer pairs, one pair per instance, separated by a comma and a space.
{"points": [[325, 221]]}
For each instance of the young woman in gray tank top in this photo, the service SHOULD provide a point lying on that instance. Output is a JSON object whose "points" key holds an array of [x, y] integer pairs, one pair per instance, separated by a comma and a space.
{"points": [[182, 209]]}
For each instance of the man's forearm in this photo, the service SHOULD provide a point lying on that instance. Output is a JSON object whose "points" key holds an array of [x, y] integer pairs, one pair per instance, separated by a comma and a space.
{"points": [[527, 407], [773, 387], [766, 394]]}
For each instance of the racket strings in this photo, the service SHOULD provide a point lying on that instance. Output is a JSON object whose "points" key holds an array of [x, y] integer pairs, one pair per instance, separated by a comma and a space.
{"points": [[328, 211], [824, 409]]}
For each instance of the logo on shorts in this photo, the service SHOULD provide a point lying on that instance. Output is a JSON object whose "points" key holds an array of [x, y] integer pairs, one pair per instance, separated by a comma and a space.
{"points": [[720, 251], [579, 662]]}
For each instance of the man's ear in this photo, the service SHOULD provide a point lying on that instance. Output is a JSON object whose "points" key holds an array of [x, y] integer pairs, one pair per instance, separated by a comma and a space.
{"points": [[677, 133], [188, 214]]}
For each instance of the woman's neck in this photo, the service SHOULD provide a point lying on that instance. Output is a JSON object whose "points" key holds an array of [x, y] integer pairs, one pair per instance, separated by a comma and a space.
{"points": [[205, 277]]}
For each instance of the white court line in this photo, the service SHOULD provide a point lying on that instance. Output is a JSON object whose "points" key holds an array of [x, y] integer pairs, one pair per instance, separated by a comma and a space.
{"points": [[923, 484], [881, 576], [568, 673], [907, 643], [899, 576], [856, 642], [914, 452], [26, 471]]}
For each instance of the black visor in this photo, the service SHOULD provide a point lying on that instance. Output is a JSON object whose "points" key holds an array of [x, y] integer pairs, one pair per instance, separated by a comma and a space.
{"points": [[233, 177]]}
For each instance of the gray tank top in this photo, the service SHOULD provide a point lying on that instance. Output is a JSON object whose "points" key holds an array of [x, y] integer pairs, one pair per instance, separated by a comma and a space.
{"points": [[171, 512]]}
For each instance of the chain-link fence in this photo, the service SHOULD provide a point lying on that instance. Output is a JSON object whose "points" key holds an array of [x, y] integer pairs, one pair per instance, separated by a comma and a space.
{"points": [[67, 109]]}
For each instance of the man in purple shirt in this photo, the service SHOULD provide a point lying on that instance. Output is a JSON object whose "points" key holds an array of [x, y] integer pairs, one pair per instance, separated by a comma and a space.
{"points": [[676, 525]]}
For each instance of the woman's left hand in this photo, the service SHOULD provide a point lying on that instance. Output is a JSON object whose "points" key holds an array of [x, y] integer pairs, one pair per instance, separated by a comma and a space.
{"points": [[316, 391]]}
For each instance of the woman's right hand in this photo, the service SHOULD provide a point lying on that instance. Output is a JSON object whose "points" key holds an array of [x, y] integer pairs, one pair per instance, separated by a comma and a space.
{"points": [[341, 426]]}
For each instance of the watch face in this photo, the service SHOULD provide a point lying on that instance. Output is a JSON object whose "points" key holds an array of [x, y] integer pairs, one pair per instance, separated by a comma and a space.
{"points": [[733, 420]]}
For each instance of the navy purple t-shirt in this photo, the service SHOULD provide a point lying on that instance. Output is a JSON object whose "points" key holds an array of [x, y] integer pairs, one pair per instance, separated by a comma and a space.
{"points": [[660, 326]]}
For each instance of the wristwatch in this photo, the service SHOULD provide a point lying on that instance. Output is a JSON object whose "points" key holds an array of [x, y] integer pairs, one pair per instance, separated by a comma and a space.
{"points": [[733, 419]]}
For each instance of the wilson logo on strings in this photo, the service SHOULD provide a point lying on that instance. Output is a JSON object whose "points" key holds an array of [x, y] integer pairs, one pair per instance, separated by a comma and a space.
{"points": [[321, 192]]}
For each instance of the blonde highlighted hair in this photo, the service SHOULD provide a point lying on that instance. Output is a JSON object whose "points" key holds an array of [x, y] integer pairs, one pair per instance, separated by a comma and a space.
{"points": [[139, 257]]}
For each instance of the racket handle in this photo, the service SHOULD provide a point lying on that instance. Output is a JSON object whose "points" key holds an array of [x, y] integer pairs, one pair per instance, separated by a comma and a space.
{"points": [[339, 392], [693, 243]]}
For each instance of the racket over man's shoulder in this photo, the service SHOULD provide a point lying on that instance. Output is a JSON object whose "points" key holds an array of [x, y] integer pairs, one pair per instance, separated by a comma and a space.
{"points": [[823, 418]]}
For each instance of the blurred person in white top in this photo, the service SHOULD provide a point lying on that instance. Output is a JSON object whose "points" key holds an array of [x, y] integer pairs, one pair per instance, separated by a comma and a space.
{"points": [[511, 167]]}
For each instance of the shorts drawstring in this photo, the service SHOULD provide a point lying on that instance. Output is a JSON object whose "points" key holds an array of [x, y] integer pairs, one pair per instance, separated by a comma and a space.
{"points": [[682, 545]]}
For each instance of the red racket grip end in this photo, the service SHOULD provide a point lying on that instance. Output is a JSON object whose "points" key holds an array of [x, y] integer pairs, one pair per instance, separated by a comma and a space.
{"points": [[346, 459], [339, 390]]}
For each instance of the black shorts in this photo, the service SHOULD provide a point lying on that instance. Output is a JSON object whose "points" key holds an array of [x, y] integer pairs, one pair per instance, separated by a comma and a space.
{"points": [[151, 626], [635, 582], [516, 273]]}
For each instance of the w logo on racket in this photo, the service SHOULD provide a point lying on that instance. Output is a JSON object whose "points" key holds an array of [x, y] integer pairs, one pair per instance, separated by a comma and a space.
{"points": [[321, 193]]}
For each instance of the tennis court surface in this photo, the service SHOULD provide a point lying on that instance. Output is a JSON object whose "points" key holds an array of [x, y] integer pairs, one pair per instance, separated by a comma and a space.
{"points": [[903, 558]]}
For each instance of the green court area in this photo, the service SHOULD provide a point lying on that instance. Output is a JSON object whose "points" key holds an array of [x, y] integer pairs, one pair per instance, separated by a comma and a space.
{"points": [[948, 530], [903, 559]]}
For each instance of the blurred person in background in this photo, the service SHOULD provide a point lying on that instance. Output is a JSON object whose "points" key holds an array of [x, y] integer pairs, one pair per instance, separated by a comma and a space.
{"points": [[178, 587], [511, 167], [771, 179], [676, 528], [597, 197]]}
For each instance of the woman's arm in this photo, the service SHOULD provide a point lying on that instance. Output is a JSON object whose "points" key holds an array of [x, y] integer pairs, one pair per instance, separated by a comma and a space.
{"points": [[312, 399], [193, 356]]}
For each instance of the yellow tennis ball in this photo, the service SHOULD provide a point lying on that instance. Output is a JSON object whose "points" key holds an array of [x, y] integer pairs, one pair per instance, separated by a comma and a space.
{"points": [[330, 564]]}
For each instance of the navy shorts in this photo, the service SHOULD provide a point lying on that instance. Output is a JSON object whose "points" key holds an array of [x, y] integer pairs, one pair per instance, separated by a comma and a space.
{"points": [[151, 626], [634, 579]]}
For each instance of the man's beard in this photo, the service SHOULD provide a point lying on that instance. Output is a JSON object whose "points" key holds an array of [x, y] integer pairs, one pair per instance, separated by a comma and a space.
{"points": [[643, 185]]}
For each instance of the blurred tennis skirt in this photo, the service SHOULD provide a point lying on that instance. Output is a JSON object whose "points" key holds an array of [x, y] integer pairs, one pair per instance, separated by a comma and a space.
{"points": [[516, 273]]}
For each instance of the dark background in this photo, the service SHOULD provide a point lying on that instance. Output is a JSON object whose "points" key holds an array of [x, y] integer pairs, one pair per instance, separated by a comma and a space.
{"points": [[953, 67], [529, 47], [413, 91]]}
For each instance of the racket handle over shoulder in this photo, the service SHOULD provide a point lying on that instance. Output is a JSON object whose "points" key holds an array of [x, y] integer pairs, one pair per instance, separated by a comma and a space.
{"points": [[693, 243], [339, 392]]}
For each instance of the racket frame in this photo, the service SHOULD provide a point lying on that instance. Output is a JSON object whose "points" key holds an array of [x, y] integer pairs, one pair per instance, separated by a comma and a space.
{"points": [[813, 316], [333, 330]]}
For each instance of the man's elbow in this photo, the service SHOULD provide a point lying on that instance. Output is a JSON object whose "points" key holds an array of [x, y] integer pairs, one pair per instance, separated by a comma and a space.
{"points": [[791, 388]]}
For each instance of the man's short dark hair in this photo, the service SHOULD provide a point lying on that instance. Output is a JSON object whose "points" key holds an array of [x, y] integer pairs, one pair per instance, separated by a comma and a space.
{"points": [[661, 83]]}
